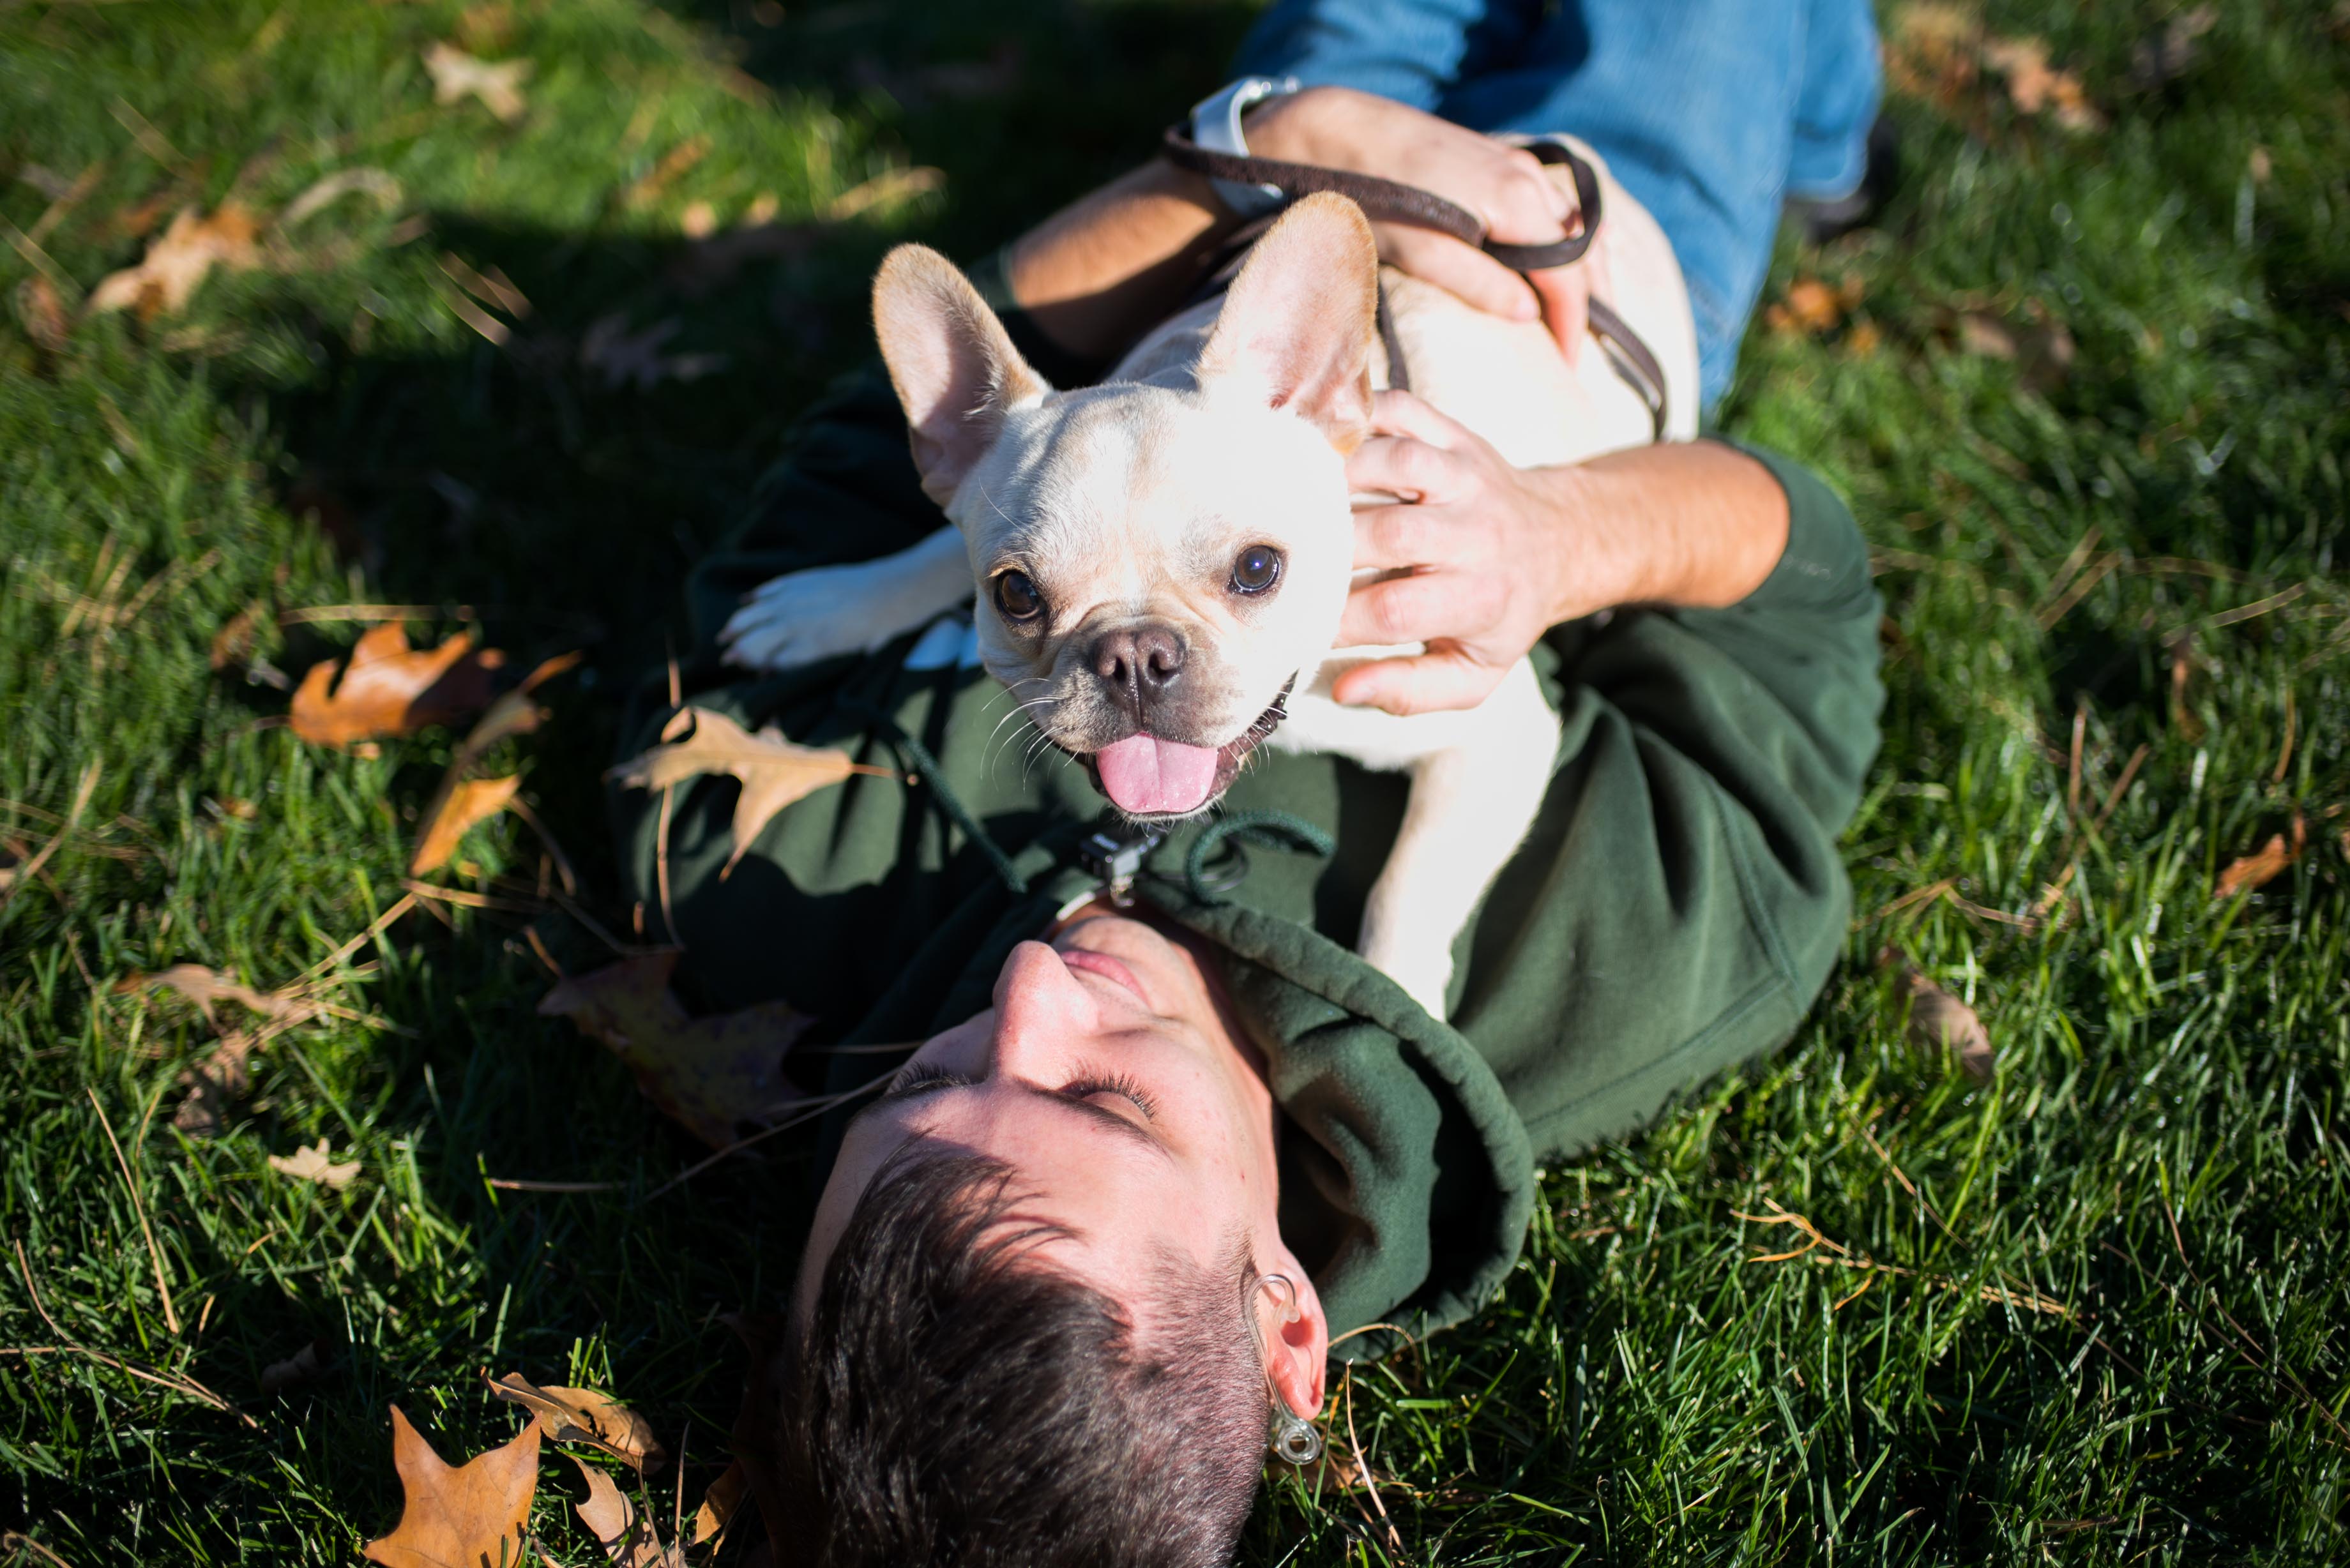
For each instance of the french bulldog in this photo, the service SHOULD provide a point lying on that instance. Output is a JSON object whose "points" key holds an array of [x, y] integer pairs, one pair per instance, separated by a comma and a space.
{"points": [[1161, 560]]}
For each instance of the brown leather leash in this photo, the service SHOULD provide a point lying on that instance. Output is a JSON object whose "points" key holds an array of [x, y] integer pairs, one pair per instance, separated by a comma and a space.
{"points": [[1392, 202]]}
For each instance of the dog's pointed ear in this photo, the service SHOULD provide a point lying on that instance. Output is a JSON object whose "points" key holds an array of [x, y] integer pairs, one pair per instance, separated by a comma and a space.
{"points": [[1297, 328], [954, 367]]}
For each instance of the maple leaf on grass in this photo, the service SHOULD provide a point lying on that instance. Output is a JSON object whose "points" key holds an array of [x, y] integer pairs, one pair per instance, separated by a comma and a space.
{"points": [[458, 1516], [310, 1163], [457, 76], [174, 265], [708, 1074], [467, 804], [389, 689], [772, 771], [584, 1416]]}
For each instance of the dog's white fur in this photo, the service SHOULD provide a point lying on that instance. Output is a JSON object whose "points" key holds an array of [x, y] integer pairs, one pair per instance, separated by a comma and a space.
{"points": [[1226, 428]]}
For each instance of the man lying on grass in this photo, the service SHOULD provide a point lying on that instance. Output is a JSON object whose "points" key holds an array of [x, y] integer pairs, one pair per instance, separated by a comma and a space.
{"points": [[1091, 1246]]}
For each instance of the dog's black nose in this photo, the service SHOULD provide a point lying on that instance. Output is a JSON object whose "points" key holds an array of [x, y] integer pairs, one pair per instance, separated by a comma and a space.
{"points": [[1140, 662]]}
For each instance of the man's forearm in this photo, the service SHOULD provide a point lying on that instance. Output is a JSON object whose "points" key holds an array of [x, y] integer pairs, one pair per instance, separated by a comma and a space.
{"points": [[1095, 274], [1694, 525]]}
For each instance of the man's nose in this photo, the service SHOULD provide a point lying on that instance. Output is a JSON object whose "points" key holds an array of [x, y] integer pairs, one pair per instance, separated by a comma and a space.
{"points": [[1139, 663], [1041, 1010]]}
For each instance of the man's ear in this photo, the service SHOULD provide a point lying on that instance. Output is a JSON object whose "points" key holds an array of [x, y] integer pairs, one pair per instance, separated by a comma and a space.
{"points": [[1296, 1349], [954, 367], [1297, 328]]}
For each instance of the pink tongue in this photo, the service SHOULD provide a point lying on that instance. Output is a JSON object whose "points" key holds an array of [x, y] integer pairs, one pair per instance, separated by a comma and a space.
{"points": [[1145, 775]]}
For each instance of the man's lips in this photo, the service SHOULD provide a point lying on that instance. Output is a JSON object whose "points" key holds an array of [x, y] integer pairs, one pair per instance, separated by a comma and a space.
{"points": [[1108, 968]]}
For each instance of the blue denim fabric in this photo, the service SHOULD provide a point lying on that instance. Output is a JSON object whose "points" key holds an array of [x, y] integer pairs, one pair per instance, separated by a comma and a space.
{"points": [[1711, 112]]}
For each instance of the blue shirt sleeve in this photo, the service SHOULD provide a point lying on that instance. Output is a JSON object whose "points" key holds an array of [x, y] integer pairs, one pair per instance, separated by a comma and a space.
{"points": [[1408, 50]]}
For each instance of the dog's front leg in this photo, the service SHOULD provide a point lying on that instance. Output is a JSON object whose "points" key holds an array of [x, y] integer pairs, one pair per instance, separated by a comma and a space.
{"points": [[1470, 805], [803, 617]]}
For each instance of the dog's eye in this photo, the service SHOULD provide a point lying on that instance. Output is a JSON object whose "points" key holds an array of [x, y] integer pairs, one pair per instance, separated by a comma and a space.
{"points": [[1255, 569], [1016, 597]]}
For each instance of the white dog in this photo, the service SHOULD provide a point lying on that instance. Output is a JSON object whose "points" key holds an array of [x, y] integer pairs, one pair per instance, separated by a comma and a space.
{"points": [[1161, 559]]}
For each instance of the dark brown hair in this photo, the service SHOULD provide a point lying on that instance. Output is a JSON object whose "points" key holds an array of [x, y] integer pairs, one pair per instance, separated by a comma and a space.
{"points": [[956, 1401]]}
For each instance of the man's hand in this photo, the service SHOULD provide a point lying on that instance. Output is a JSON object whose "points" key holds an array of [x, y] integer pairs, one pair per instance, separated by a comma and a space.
{"points": [[1481, 559], [1477, 553], [1337, 128]]}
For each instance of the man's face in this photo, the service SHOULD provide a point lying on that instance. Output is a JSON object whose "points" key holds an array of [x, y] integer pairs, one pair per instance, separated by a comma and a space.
{"points": [[1108, 1076]]}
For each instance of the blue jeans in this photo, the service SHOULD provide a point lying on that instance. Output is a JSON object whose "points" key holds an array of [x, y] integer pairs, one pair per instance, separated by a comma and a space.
{"points": [[1711, 112]]}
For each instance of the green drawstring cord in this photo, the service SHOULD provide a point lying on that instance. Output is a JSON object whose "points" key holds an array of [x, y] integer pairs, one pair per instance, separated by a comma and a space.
{"points": [[1265, 829], [927, 766]]}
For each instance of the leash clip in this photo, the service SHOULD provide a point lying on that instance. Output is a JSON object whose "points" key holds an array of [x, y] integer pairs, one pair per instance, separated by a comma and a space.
{"points": [[1118, 861]]}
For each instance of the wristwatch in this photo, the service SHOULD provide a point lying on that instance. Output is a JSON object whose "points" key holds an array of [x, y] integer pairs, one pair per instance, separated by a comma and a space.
{"points": [[1216, 126]]}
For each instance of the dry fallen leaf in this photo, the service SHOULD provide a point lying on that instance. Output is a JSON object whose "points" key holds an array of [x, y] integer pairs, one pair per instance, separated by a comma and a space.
{"points": [[234, 639], [215, 1084], [456, 75], [2042, 352], [773, 771], [623, 356], [2164, 56], [179, 262], [388, 688], [309, 1163], [459, 1517], [584, 1416], [1930, 51], [707, 1074], [205, 986], [43, 314], [331, 187], [1941, 1021], [753, 1435], [2264, 865], [720, 1504], [297, 1369], [628, 1541], [2033, 86], [1813, 306], [472, 802]]}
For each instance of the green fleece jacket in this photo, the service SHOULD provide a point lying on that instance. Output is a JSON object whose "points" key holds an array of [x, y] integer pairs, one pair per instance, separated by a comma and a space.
{"points": [[1677, 904]]}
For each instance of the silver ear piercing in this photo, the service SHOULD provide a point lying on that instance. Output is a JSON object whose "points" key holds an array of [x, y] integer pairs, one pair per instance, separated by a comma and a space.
{"points": [[1292, 1439]]}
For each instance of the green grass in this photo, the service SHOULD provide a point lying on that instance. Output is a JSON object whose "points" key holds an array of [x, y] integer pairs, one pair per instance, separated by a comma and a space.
{"points": [[2161, 1158]]}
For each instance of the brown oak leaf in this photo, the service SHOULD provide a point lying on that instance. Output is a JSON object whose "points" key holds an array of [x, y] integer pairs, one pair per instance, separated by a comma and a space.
{"points": [[309, 1163], [2264, 865], [1941, 1021], [628, 1540], [457, 76], [707, 1074], [773, 771], [389, 689], [721, 1503], [466, 804], [2034, 86], [205, 986], [460, 1516], [177, 263], [43, 314], [584, 1416], [297, 1369]]}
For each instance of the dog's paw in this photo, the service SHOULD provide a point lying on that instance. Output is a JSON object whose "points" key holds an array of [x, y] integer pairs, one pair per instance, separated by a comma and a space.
{"points": [[802, 618]]}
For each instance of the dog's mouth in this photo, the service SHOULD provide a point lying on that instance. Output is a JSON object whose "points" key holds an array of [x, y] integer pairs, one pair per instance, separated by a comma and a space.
{"points": [[1148, 776]]}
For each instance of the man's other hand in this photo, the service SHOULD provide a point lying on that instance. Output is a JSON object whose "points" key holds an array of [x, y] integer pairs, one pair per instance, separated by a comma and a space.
{"points": [[1338, 128]]}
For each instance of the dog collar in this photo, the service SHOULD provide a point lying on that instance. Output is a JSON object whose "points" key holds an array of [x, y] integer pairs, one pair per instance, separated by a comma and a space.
{"points": [[1216, 125]]}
